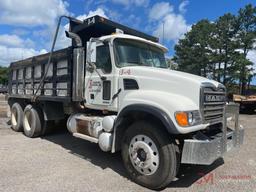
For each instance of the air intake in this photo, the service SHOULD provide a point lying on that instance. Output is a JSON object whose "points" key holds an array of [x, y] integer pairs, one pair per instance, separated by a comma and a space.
{"points": [[130, 84]]}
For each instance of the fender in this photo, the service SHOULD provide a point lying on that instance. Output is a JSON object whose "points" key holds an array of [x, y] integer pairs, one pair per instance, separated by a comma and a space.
{"points": [[158, 113]]}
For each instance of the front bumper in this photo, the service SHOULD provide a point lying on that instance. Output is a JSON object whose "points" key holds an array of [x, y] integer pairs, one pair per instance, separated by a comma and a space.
{"points": [[204, 150]]}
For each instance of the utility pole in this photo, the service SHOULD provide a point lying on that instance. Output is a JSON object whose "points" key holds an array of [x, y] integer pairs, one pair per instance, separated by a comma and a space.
{"points": [[163, 33]]}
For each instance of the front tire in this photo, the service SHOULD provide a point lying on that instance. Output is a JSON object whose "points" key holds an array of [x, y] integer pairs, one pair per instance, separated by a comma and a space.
{"points": [[32, 122], [17, 117], [150, 156]]}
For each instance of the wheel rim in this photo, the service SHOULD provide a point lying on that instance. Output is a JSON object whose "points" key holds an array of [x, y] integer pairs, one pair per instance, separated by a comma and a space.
{"points": [[27, 120], [144, 154], [14, 117]]}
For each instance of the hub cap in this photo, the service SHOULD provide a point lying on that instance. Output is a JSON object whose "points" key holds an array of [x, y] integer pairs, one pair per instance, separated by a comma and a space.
{"points": [[27, 120], [144, 155], [14, 117]]}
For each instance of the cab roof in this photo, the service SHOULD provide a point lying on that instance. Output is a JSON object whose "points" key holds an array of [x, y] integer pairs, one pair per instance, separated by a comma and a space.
{"points": [[125, 36]]}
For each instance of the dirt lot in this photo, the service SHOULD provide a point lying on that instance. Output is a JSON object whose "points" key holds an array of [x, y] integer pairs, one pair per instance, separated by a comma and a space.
{"points": [[60, 162]]}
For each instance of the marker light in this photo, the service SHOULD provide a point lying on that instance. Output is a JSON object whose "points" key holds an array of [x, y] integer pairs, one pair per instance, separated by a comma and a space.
{"points": [[188, 118], [182, 118]]}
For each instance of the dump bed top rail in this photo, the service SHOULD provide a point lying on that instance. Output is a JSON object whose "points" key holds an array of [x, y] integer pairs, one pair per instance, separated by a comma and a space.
{"points": [[57, 55], [98, 26]]}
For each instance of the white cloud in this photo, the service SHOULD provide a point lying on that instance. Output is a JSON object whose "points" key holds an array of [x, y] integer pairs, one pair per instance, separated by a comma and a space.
{"points": [[10, 40], [252, 57], [129, 3], [63, 41], [175, 25], [10, 54], [159, 10], [31, 12], [182, 6], [15, 41], [136, 21], [123, 2], [98, 11], [20, 31], [13, 47], [141, 3]]}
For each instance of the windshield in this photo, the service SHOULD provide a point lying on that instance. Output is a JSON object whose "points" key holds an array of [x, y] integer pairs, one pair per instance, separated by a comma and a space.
{"points": [[136, 53]]}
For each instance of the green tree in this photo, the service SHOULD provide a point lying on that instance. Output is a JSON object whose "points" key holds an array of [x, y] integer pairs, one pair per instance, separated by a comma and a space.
{"points": [[224, 44], [220, 48], [3, 75], [193, 52], [246, 22]]}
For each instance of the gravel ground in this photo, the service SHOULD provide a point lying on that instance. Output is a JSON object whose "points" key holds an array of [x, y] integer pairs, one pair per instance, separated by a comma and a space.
{"points": [[60, 162]]}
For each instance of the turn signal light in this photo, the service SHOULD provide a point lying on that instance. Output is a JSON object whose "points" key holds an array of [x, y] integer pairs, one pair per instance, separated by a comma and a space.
{"points": [[182, 119]]}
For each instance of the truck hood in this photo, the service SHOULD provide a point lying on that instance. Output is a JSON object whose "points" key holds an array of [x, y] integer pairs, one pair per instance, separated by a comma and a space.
{"points": [[165, 80]]}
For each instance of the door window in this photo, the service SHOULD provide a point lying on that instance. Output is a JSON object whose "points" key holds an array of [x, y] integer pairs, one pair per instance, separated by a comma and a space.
{"points": [[103, 60]]}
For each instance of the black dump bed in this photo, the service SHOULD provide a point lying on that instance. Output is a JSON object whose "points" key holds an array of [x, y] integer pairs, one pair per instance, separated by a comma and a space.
{"points": [[25, 75], [98, 26]]}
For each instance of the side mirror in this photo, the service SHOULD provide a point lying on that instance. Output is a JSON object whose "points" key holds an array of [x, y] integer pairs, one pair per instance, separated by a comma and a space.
{"points": [[91, 56], [91, 67], [93, 52]]}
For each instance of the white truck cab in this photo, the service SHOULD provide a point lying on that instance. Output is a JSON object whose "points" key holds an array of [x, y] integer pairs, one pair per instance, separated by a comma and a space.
{"points": [[136, 70], [116, 88]]}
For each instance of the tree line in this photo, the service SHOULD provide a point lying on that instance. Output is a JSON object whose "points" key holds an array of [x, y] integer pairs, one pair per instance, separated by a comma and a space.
{"points": [[219, 49], [3, 75]]}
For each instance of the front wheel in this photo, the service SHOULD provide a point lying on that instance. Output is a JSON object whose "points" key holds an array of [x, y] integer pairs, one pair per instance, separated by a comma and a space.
{"points": [[150, 156]]}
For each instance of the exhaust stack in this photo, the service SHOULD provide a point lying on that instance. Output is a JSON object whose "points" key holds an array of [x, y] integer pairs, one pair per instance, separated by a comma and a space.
{"points": [[75, 37]]}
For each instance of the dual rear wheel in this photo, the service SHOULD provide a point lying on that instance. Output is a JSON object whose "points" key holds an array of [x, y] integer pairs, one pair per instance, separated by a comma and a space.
{"points": [[17, 117], [29, 120], [32, 122]]}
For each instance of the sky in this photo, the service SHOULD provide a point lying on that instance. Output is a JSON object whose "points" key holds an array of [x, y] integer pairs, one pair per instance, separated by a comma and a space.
{"points": [[27, 26]]}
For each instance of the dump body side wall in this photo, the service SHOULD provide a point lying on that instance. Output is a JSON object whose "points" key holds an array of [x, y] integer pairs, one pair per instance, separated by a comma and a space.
{"points": [[25, 76]]}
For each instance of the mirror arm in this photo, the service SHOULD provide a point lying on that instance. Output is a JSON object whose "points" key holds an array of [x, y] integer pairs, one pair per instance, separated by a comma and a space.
{"points": [[93, 67], [103, 78]]}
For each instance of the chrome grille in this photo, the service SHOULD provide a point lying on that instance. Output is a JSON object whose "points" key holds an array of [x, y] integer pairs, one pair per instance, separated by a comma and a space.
{"points": [[212, 103]]}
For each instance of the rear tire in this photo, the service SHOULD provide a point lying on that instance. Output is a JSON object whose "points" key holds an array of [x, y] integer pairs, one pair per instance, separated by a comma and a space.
{"points": [[17, 117], [32, 122], [157, 166]]}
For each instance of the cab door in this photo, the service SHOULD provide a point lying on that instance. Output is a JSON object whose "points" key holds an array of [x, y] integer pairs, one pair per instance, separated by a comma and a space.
{"points": [[99, 91]]}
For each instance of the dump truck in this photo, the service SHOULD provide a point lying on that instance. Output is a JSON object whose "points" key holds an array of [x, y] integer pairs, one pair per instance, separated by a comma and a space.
{"points": [[113, 88], [247, 103]]}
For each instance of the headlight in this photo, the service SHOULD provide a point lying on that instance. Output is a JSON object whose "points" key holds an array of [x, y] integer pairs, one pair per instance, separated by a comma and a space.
{"points": [[188, 118]]}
